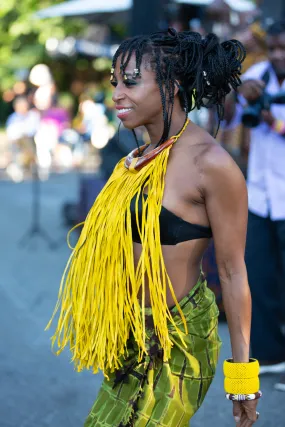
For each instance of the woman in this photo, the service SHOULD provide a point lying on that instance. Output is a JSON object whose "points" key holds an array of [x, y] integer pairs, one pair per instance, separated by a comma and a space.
{"points": [[133, 300]]}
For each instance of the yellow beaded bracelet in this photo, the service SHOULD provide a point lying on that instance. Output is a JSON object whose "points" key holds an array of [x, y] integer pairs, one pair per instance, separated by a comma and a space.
{"points": [[241, 370], [241, 378], [241, 386]]}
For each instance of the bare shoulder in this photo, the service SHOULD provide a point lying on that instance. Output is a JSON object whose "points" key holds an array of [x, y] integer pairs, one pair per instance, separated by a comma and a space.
{"points": [[214, 157], [218, 170], [215, 167]]}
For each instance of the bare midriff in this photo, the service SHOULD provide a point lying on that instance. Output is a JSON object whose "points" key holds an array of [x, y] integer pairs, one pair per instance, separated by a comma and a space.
{"points": [[182, 263]]}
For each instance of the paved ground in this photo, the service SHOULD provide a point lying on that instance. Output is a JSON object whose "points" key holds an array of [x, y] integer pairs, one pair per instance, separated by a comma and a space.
{"points": [[41, 390]]}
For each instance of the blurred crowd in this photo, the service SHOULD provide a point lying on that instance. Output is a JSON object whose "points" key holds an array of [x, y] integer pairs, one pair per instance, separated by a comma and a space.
{"points": [[45, 131], [61, 131]]}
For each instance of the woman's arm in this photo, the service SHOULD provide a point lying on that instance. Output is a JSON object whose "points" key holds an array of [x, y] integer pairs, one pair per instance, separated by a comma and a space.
{"points": [[225, 194]]}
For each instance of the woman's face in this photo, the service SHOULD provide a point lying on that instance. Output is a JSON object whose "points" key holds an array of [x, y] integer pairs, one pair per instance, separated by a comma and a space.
{"points": [[137, 100]]}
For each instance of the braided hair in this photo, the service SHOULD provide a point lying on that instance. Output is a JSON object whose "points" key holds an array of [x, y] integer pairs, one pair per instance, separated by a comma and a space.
{"points": [[203, 69]]}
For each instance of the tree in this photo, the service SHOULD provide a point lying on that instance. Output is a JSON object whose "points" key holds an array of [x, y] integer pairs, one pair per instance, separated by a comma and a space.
{"points": [[23, 36]]}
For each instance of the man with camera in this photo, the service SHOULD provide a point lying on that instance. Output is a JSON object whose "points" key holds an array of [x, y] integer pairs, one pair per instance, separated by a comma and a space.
{"points": [[261, 106]]}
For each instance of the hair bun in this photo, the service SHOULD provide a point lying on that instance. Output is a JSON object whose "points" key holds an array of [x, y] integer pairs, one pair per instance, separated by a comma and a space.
{"points": [[172, 32], [222, 67], [210, 42]]}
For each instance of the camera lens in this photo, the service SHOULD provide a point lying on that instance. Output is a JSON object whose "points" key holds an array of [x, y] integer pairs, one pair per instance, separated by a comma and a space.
{"points": [[251, 115]]}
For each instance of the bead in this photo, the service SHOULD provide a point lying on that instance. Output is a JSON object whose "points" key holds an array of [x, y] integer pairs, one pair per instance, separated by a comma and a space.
{"points": [[207, 81], [244, 397]]}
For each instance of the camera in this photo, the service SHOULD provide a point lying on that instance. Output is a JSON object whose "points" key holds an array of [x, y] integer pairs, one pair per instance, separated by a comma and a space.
{"points": [[251, 116]]}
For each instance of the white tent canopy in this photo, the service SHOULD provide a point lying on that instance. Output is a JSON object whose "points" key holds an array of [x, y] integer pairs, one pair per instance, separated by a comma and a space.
{"points": [[196, 2], [241, 5], [87, 7], [237, 5]]}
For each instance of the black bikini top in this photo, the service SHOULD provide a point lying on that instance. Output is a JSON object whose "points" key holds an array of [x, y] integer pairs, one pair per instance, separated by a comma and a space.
{"points": [[173, 229]]}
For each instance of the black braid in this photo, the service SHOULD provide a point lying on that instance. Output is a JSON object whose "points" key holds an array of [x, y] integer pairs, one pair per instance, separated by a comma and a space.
{"points": [[137, 142], [163, 98], [127, 54], [205, 69]]}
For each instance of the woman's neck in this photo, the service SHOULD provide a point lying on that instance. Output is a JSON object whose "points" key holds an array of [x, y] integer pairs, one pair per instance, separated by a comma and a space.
{"points": [[155, 130]]}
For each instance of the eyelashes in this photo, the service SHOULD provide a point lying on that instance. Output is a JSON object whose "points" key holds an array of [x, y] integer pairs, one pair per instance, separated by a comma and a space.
{"points": [[127, 83]]}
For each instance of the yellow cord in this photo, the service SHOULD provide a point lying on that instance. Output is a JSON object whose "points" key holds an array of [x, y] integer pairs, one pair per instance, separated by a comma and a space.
{"points": [[98, 297]]}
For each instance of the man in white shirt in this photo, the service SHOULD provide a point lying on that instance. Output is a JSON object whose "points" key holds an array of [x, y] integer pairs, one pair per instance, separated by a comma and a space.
{"points": [[265, 251]]}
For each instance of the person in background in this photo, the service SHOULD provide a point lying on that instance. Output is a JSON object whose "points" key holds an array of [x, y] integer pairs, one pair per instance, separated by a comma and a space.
{"points": [[265, 249], [55, 118], [236, 139], [21, 128]]}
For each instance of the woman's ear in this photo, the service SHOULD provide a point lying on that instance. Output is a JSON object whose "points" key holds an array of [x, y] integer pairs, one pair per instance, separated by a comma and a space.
{"points": [[177, 87]]}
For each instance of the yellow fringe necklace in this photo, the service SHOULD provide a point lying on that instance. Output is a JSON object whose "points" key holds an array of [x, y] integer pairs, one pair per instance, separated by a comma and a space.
{"points": [[98, 297]]}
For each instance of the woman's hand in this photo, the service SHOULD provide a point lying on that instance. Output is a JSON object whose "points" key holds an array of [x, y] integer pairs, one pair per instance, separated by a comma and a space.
{"points": [[245, 413]]}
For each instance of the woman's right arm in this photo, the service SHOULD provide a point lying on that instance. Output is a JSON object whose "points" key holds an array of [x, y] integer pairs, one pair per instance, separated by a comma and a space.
{"points": [[226, 203]]}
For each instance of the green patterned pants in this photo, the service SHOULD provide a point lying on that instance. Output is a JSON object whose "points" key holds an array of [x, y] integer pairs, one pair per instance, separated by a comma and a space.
{"points": [[167, 394]]}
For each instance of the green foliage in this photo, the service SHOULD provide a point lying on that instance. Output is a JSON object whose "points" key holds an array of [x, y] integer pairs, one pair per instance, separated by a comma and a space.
{"points": [[23, 35]]}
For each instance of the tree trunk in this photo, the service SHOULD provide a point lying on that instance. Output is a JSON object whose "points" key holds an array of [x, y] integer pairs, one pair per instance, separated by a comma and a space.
{"points": [[145, 16], [275, 10]]}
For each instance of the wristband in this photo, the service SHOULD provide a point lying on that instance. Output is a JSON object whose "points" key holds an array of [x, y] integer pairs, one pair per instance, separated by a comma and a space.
{"points": [[241, 386], [244, 397], [241, 370], [241, 378], [279, 126]]}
